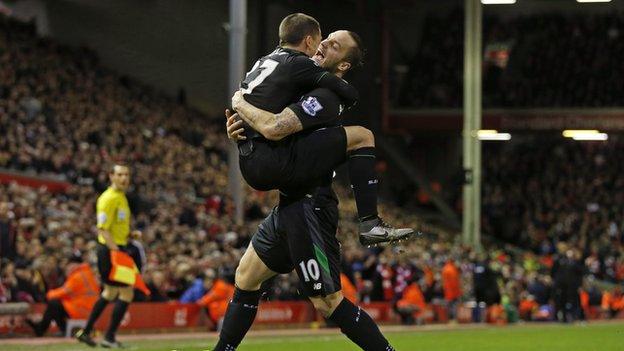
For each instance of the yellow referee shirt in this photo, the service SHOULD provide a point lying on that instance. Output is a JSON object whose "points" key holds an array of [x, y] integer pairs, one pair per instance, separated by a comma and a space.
{"points": [[113, 214]]}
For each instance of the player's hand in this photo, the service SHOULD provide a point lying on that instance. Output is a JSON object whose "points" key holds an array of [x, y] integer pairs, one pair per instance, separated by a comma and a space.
{"points": [[234, 126], [237, 99], [136, 234]]}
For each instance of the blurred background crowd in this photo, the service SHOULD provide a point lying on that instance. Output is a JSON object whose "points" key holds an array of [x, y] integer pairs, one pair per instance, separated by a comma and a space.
{"points": [[538, 60], [64, 116]]}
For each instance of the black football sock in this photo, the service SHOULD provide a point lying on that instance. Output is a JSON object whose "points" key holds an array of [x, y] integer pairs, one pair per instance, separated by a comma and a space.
{"points": [[239, 317], [118, 313], [364, 181], [97, 310], [359, 327]]}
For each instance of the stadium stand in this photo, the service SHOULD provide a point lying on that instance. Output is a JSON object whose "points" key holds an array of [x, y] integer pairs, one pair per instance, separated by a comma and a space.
{"points": [[573, 195], [64, 117], [554, 60]]}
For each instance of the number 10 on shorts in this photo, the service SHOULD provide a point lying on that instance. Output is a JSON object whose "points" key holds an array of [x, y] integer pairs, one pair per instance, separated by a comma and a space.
{"points": [[310, 270]]}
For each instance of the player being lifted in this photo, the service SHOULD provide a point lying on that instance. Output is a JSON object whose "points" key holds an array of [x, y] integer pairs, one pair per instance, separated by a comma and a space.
{"points": [[300, 233], [270, 161]]}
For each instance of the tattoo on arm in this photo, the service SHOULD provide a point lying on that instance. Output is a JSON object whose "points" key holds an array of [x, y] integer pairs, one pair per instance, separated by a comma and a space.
{"points": [[257, 118], [271, 126], [286, 123]]}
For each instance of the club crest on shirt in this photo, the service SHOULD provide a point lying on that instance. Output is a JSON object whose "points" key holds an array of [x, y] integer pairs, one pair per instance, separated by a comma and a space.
{"points": [[121, 215], [311, 106]]}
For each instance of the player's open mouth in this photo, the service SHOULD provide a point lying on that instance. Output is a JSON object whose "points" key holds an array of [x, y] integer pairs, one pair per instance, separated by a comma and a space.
{"points": [[319, 53]]}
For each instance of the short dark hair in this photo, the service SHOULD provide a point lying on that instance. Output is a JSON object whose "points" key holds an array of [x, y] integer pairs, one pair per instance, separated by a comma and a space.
{"points": [[295, 27], [355, 56]]}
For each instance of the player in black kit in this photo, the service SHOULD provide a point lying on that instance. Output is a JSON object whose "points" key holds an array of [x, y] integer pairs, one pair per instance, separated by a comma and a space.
{"points": [[275, 82], [300, 234]]}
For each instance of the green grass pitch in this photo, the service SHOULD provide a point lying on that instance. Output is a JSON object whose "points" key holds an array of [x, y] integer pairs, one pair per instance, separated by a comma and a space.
{"points": [[592, 337]]}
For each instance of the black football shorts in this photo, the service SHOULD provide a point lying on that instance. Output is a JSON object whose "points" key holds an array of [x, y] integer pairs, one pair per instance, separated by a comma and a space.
{"points": [[300, 161], [301, 236]]}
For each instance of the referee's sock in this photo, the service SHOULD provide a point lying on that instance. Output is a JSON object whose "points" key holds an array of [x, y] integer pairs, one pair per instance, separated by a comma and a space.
{"points": [[118, 313], [364, 181], [97, 310], [239, 317], [359, 327]]}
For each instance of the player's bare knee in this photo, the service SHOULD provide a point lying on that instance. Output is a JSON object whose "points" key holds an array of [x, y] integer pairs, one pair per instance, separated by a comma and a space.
{"points": [[244, 275], [359, 137], [251, 271], [326, 305], [368, 138], [334, 300], [320, 304]]}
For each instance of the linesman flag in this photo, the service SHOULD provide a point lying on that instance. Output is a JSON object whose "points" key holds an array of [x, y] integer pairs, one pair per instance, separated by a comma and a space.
{"points": [[125, 271]]}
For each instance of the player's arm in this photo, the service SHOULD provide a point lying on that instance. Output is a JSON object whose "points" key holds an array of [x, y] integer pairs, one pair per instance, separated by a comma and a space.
{"points": [[316, 109], [272, 126], [307, 73], [105, 216], [108, 238]]}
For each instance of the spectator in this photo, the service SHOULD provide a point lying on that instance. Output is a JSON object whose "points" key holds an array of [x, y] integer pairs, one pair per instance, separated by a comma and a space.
{"points": [[72, 300], [452, 286], [219, 293], [197, 288], [411, 305], [348, 289], [613, 302], [7, 232], [485, 284], [567, 275]]}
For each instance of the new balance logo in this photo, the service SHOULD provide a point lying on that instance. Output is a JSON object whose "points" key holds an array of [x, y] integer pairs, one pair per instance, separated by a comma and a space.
{"points": [[374, 181], [317, 286]]}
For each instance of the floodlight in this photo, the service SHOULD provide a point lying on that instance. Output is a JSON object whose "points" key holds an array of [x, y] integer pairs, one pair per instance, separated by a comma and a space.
{"points": [[492, 135], [498, 2]]}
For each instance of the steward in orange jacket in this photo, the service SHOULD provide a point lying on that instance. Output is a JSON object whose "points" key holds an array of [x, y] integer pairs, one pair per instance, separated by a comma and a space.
{"points": [[74, 299], [348, 289], [451, 281], [217, 298], [412, 304], [613, 302], [451, 284]]}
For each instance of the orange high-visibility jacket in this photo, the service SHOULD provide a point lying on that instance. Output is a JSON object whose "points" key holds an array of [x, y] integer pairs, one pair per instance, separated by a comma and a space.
{"points": [[527, 307], [217, 299], [451, 282], [348, 289], [412, 296], [584, 297], [79, 293], [612, 301], [606, 300], [429, 276]]}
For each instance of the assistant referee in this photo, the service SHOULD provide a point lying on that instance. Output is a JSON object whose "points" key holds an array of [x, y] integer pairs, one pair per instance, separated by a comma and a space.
{"points": [[113, 227]]}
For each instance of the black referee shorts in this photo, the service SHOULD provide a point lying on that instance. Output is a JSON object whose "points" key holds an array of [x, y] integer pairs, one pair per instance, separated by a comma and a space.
{"points": [[301, 236], [300, 161], [104, 263]]}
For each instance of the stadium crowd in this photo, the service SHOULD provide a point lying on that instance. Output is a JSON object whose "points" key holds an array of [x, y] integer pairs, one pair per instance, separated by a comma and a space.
{"points": [[550, 60], [63, 115], [543, 190]]}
